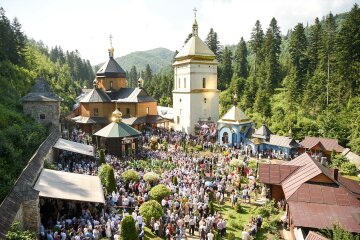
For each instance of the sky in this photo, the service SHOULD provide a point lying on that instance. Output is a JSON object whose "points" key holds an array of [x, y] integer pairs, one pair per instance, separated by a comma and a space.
{"points": [[138, 25]]}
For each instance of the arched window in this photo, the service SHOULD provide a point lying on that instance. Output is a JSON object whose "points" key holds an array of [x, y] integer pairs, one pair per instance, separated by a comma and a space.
{"points": [[204, 82], [184, 82]]}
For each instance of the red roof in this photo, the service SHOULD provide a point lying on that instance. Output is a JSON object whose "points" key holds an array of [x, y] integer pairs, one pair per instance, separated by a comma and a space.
{"points": [[321, 216], [274, 173], [314, 236], [325, 194], [328, 143], [308, 170]]}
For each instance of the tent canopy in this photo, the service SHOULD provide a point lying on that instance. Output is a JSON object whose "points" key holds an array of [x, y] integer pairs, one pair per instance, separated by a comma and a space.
{"points": [[69, 186], [76, 147]]}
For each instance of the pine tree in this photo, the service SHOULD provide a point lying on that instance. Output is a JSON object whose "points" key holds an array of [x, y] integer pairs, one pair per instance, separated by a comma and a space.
{"points": [[241, 65], [256, 45], [314, 46], [272, 44], [226, 69], [147, 73], [133, 77], [214, 44], [295, 82], [188, 38], [348, 49]]}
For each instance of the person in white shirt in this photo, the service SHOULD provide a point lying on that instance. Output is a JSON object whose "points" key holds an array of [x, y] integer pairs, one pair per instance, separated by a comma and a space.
{"points": [[245, 235], [210, 235]]}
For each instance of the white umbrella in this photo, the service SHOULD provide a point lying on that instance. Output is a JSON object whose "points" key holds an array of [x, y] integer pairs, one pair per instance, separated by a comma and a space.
{"points": [[204, 126]]}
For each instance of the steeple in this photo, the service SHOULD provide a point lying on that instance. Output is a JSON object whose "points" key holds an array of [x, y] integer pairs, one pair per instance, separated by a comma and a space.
{"points": [[195, 25], [235, 99], [140, 82], [111, 49]]}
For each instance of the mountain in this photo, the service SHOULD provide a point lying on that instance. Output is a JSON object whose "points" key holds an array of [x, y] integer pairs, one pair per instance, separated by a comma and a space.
{"points": [[157, 58]]}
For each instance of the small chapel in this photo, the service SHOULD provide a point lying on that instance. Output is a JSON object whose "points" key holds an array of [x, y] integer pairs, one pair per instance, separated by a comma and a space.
{"points": [[94, 107], [195, 94]]}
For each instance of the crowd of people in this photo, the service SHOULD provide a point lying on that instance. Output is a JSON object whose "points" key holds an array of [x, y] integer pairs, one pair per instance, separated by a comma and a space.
{"points": [[200, 180]]}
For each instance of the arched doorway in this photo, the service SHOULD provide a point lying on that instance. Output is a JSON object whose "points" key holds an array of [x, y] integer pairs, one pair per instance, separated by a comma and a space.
{"points": [[225, 138]]}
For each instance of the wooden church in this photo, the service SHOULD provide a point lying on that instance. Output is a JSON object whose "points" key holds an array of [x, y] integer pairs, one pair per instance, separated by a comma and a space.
{"points": [[94, 106]]}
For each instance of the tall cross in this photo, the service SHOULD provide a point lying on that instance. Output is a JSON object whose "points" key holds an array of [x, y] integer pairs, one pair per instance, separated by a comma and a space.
{"points": [[111, 37], [195, 12]]}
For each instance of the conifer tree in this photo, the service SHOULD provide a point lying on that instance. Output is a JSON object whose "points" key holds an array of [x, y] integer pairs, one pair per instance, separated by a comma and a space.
{"points": [[226, 69], [256, 45], [214, 44], [133, 77], [240, 60]]}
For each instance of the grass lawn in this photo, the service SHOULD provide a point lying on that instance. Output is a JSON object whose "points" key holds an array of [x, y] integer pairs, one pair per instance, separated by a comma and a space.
{"points": [[237, 220]]}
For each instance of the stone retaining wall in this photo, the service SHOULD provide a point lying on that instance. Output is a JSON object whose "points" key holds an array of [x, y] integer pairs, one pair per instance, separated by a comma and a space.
{"points": [[22, 203]]}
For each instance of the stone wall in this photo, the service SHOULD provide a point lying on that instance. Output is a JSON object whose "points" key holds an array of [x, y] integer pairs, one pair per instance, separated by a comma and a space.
{"points": [[21, 204], [51, 111]]}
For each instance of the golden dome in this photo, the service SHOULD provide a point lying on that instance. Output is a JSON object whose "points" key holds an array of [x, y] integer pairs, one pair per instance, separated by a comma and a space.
{"points": [[116, 116]]}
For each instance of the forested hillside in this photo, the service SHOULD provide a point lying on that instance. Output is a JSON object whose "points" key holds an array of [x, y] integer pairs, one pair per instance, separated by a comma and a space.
{"points": [[21, 62], [306, 82], [157, 59]]}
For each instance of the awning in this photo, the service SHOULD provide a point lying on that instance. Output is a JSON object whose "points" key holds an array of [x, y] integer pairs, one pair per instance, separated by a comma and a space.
{"points": [[76, 147], [69, 186]]}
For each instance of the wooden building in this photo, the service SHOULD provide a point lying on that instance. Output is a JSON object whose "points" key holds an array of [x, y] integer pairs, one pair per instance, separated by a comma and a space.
{"points": [[320, 147], [93, 109], [315, 196]]}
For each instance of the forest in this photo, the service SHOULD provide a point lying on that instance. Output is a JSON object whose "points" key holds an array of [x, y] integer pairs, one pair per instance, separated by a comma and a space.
{"points": [[22, 60], [302, 83]]}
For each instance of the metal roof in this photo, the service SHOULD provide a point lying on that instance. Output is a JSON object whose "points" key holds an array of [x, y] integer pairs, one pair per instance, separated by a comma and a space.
{"points": [[195, 47], [117, 130], [41, 92], [90, 120], [69, 186], [308, 170], [235, 115], [328, 143], [282, 141], [262, 132], [131, 95], [150, 119], [325, 194], [97, 95], [314, 236], [352, 157], [76, 147], [111, 69], [322, 216], [275, 173]]}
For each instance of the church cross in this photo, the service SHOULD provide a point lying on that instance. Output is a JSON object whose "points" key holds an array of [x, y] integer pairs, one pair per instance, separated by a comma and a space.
{"points": [[195, 12], [111, 37]]}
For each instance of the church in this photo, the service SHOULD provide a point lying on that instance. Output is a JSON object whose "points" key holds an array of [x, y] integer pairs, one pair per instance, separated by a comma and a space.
{"points": [[195, 94], [94, 106]]}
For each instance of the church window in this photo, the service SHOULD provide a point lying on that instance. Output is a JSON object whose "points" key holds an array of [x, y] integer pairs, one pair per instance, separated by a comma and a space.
{"points": [[204, 82], [127, 111], [180, 99], [42, 116], [205, 100], [96, 112], [147, 110], [179, 83], [178, 119], [184, 82], [111, 84]]}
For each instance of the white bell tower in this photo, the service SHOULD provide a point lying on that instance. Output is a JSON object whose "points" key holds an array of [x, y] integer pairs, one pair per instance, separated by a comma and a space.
{"points": [[195, 94]]}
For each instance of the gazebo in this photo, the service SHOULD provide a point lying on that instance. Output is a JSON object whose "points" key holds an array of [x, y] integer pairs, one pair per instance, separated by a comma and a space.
{"points": [[118, 138]]}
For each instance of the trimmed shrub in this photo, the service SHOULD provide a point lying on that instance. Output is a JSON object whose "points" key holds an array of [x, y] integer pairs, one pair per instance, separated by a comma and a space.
{"points": [[130, 175], [159, 192], [174, 180], [151, 209], [212, 208], [151, 177], [198, 148], [107, 177], [101, 157], [128, 229]]}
